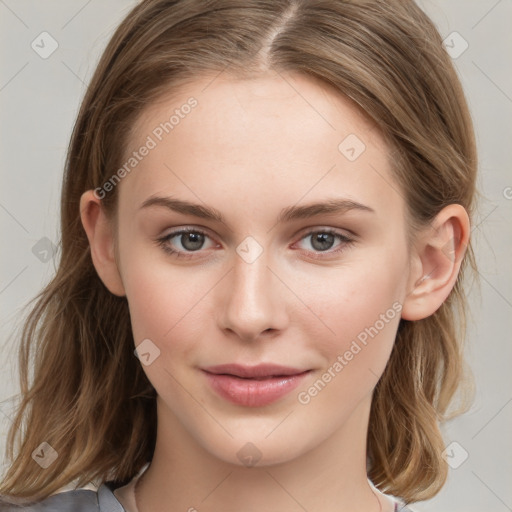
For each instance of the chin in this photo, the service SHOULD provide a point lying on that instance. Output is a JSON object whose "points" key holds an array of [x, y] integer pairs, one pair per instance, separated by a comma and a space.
{"points": [[253, 449]]}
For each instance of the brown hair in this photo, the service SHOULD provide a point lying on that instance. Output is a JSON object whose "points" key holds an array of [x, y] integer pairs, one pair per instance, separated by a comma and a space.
{"points": [[89, 397]]}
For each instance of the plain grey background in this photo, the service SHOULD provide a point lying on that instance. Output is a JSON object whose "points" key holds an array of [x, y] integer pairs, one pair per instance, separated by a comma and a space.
{"points": [[39, 98]]}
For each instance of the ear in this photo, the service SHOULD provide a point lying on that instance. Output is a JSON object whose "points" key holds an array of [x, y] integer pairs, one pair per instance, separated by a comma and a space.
{"points": [[100, 233], [438, 254]]}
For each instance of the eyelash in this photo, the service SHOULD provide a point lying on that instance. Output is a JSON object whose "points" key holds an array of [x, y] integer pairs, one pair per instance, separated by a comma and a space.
{"points": [[164, 242]]}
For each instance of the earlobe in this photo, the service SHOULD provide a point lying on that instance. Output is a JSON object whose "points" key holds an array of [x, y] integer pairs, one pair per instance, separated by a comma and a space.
{"points": [[100, 234], [438, 253]]}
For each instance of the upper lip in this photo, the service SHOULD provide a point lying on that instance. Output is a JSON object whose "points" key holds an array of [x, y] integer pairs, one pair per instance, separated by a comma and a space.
{"points": [[260, 370]]}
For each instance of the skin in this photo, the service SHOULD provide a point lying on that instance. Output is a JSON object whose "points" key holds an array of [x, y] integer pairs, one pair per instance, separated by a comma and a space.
{"points": [[249, 149]]}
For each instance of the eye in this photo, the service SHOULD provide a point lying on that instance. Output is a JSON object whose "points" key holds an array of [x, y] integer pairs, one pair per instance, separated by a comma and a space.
{"points": [[190, 239], [193, 239], [322, 241]]}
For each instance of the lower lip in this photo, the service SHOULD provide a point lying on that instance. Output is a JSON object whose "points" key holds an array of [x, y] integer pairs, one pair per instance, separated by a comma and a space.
{"points": [[252, 392]]}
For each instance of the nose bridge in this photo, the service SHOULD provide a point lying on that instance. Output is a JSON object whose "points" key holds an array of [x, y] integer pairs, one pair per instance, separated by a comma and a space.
{"points": [[254, 300]]}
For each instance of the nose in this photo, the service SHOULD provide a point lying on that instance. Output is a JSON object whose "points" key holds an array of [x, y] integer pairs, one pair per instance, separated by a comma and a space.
{"points": [[253, 300]]}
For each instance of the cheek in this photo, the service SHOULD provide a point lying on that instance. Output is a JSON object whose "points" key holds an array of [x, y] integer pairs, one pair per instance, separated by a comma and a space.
{"points": [[354, 358], [358, 298], [362, 312], [160, 311], [166, 302]]}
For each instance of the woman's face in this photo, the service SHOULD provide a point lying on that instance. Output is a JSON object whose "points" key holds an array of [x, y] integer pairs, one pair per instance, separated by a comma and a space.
{"points": [[276, 281]]}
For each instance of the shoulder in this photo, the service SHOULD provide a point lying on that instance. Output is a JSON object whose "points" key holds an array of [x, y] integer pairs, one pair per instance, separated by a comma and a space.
{"points": [[78, 500]]}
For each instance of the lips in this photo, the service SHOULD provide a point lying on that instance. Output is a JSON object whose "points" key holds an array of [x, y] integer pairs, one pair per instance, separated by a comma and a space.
{"points": [[253, 386]]}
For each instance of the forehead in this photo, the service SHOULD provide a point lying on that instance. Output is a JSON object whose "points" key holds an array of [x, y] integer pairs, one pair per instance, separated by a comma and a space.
{"points": [[275, 137], [225, 104]]}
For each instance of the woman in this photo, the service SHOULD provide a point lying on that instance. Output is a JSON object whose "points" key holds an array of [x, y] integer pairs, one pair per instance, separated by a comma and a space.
{"points": [[265, 224]]}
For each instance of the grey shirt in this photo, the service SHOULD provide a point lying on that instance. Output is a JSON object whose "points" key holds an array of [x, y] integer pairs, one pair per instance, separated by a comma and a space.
{"points": [[78, 500], [86, 500]]}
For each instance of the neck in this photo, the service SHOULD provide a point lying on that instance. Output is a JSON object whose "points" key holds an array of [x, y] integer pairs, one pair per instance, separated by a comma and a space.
{"points": [[331, 477]]}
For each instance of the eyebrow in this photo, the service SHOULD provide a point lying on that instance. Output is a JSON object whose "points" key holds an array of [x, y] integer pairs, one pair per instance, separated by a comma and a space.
{"points": [[288, 214]]}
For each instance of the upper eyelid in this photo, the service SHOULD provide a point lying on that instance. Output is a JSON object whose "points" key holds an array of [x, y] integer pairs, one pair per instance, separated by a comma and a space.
{"points": [[337, 231], [187, 229], [306, 230]]}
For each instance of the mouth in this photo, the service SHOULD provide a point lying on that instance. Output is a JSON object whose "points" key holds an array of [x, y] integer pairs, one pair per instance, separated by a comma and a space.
{"points": [[258, 372], [253, 386]]}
